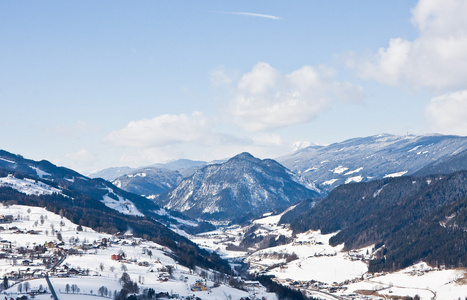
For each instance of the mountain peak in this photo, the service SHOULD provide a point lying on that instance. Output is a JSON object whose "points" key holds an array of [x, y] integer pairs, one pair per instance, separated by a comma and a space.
{"points": [[244, 156], [244, 186]]}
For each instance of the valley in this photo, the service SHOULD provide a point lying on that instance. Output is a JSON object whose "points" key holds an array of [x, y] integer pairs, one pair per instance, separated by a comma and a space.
{"points": [[307, 262], [244, 227]]}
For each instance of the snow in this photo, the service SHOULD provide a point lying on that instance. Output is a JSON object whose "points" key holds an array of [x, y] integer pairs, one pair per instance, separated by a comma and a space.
{"points": [[141, 174], [325, 269], [9, 161], [330, 182], [122, 205], [339, 170], [376, 194], [354, 171], [418, 279], [398, 174], [317, 260], [40, 173], [118, 183], [310, 169], [28, 186], [268, 220], [354, 179], [415, 148]]}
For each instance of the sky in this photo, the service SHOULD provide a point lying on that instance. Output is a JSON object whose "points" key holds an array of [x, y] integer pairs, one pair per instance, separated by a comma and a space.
{"points": [[96, 84]]}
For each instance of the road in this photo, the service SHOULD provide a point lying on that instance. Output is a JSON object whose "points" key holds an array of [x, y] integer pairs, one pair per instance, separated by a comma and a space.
{"points": [[49, 283], [51, 288]]}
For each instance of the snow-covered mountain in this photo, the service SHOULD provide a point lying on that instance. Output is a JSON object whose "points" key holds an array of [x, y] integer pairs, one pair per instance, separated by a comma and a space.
{"points": [[180, 164], [364, 159], [110, 174], [242, 186], [185, 167], [149, 181], [42, 177]]}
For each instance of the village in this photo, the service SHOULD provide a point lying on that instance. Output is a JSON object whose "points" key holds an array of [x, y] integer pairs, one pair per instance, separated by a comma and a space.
{"points": [[307, 263], [34, 246]]}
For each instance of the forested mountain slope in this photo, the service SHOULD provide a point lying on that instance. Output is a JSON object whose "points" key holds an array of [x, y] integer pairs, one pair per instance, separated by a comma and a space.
{"points": [[242, 187], [404, 214]]}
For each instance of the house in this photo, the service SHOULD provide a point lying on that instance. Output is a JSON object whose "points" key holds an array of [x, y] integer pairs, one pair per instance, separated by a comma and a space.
{"points": [[73, 271], [143, 264], [199, 286], [116, 257], [25, 262], [164, 277], [6, 218], [162, 295], [5, 244], [252, 284]]}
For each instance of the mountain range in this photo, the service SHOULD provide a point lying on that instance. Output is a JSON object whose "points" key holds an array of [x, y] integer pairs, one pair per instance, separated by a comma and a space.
{"points": [[369, 158], [321, 168], [185, 167]]}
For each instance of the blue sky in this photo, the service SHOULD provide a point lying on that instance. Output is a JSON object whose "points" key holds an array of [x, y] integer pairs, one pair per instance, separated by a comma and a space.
{"points": [[89, 85]]}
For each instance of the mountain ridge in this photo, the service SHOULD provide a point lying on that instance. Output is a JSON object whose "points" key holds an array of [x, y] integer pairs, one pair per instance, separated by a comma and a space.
{"points": [[369, 158]]}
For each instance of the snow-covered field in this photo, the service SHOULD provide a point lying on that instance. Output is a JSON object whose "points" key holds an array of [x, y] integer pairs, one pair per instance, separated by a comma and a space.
{"points": [[315, 265], [146, 262], [28, 186]]}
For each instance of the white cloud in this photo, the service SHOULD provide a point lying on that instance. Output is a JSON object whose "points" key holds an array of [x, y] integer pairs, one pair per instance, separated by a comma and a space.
{"points": [[266, 99], [249, 14], [437, 58], [448, 113], [161, 131], [167, 131]]}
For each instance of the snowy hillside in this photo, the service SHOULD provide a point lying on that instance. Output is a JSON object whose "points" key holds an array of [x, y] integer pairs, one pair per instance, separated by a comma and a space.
{"points": [[119, 203], [369, 158], [28, 186], [37, 178], [90, 265]]}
